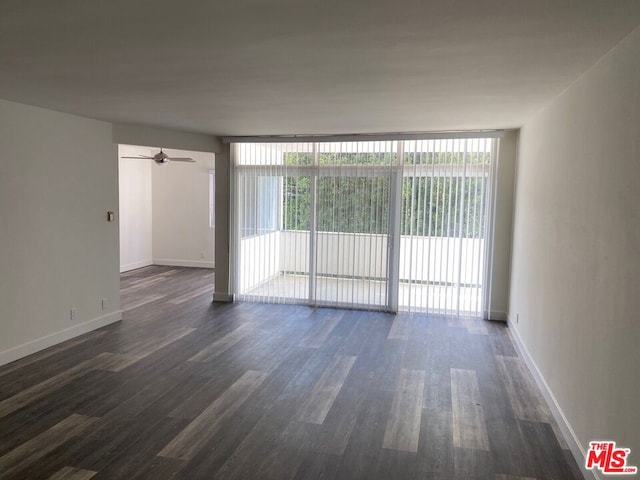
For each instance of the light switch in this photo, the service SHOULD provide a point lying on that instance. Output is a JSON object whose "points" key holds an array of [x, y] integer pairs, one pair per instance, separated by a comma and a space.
{"points": [[110, 216]]}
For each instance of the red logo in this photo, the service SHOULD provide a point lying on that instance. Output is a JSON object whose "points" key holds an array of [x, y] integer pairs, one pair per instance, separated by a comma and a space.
{"points": [[609, 459]]}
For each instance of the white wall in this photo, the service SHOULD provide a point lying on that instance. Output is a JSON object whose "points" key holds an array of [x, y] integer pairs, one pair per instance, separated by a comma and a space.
{"points": [[130, 134], [223, 227], [576, 251], [58, 179], [135, 208], [499, 270], [180, 196]]}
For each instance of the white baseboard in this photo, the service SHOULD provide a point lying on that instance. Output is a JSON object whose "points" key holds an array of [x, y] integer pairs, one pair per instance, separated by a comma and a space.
{"points": [[222, 297], [171, 262], [47, 341], [134, 265], [496, 316], [565, 428]]}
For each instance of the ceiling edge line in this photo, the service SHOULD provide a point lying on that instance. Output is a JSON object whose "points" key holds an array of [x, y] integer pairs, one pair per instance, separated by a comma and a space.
{"points": [[360, 137]]}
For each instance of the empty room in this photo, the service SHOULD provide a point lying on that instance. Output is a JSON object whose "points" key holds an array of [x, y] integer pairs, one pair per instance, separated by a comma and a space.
{"points": [[304, 240]]}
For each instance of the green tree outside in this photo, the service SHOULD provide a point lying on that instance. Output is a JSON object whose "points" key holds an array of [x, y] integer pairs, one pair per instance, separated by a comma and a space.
{"points": [[439, 206]]}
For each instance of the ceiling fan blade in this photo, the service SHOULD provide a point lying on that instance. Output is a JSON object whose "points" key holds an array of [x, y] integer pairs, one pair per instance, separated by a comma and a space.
{"points": [[179, 159], [140, 157]]}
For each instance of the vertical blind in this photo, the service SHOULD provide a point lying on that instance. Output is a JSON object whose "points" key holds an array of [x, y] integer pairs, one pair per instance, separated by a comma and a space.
{"points": [[367, 224]]}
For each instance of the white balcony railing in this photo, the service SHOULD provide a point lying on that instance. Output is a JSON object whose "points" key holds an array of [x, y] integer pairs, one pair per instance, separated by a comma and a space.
{"points": [[436, 273]]}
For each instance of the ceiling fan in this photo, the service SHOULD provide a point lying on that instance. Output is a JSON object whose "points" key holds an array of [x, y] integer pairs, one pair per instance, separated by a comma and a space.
{"points": [[161, 158]]}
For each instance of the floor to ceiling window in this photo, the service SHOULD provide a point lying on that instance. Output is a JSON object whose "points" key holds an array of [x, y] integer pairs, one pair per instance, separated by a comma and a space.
{"points": [[444, 219], [398, 224]]}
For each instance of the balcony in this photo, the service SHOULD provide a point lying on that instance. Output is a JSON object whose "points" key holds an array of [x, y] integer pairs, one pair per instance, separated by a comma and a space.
{"points": [[438, 275]]}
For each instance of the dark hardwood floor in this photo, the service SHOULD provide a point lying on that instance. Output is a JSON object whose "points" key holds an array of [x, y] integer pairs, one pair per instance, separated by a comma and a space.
{"points": [[187, 389]]}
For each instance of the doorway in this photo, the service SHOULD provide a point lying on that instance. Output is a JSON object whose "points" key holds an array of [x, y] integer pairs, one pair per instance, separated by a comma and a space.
{"points": [[166, 210]]}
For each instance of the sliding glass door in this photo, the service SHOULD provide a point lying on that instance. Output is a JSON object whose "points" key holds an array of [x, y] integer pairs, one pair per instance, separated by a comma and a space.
{"points": [[351, 233], [444, 219], [378, 225]]}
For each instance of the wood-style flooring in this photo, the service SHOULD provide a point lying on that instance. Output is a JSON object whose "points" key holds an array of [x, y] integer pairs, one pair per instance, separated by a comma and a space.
{"points": [[184, 388]]}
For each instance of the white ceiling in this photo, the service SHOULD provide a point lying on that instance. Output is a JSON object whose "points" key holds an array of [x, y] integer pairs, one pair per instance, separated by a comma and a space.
{"points": [[247, 67]]}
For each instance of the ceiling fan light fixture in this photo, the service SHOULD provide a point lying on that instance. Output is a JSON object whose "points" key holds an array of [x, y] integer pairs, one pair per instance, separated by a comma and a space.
{"points": [[162, 158]]}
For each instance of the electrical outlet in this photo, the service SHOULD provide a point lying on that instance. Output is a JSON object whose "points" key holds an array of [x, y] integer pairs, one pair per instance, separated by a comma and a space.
{"points": [[105, 303], [73, 314]]}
